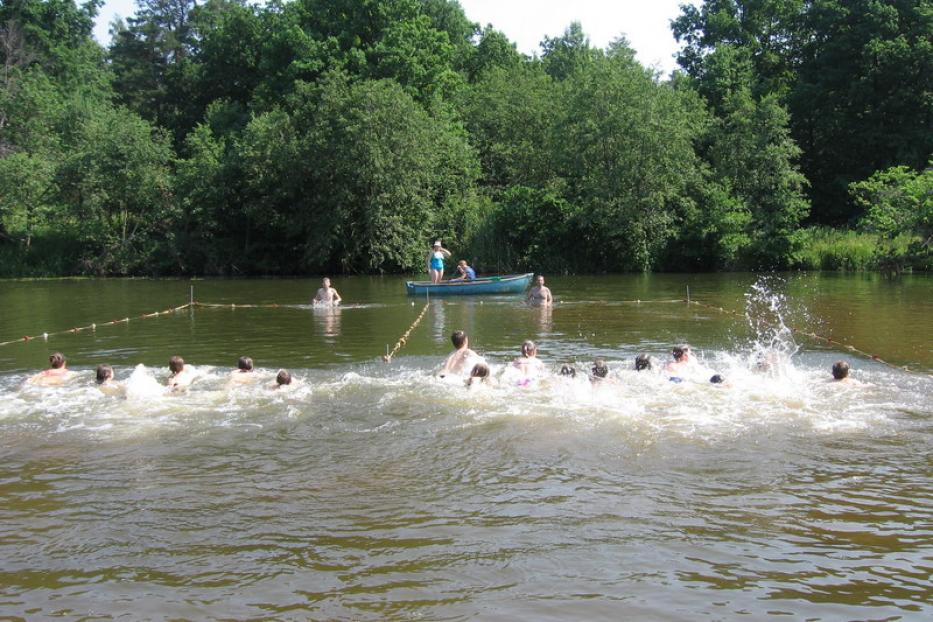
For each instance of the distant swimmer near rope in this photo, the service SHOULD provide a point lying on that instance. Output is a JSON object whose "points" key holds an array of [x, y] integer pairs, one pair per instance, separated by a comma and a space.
{"points": [[244, 372], [326, 295], [539, 295]]}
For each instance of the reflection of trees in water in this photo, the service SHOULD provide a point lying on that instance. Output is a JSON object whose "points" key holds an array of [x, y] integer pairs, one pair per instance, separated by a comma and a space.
{"points": [[327, 320]]}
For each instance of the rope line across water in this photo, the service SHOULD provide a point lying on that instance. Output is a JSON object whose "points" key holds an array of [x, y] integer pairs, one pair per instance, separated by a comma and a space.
{"points": [[404, 338], [78, 329]]}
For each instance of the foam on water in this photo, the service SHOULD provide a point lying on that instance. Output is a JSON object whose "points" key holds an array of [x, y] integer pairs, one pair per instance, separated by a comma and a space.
{"points": [[794, 394], [769, 387]]}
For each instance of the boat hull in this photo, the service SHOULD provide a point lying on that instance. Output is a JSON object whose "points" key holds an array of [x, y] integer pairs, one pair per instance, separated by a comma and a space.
{"points": [[509, 284]]}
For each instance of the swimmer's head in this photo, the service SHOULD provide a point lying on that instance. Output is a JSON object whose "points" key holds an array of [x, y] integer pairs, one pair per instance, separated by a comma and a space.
{"points": [[325, 282], [57, 360], [681, 353], [540, 279], [283, 377], [458, 338], [568, 370], [245, 364], [529, 349], [717, 379], [599, 368], [176, 364], [104, 373], [840, 370], [642, 362], [480, 370]]}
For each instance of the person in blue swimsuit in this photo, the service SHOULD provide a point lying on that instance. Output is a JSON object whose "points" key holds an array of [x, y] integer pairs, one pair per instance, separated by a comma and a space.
{"points": [[436, 257]]}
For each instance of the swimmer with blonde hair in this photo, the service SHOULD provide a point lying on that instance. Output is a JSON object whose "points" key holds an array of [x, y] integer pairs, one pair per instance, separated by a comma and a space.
{"points": [[57, 372]]}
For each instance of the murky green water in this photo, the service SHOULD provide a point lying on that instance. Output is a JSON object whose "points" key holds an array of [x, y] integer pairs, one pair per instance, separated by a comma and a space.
{"points": [[373, 491]]}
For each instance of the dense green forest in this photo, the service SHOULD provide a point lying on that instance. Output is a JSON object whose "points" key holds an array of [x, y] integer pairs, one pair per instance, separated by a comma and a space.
{"points": [[307, 136]]}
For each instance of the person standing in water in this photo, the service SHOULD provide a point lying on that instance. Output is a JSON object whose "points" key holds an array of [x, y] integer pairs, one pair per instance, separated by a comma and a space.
{"points": [[539, 295], [326, 295], [436, 257]]}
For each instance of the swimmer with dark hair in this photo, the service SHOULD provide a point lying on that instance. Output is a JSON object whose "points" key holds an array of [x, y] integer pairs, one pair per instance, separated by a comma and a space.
{"points": [[841, 371], [460, 359], [642, 362], [106, 383], [478, 375], [282, 379], [244, 372], [568, 370], [600, 371], [57, 372], [182, 375]]}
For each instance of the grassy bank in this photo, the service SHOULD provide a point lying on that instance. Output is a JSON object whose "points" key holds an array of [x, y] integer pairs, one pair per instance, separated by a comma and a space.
{"points": [[833, 249]]}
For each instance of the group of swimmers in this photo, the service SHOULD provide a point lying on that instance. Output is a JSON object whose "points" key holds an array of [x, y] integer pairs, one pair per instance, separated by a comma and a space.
{"points": [[464, 362], [180, 375]]}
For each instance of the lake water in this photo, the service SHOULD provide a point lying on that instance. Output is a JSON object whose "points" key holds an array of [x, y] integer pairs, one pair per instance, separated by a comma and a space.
{"points": [[374, 491]]}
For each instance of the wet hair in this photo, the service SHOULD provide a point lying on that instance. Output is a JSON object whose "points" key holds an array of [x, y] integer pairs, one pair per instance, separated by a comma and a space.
{"points": [[717, 379], [57, 360], [283, 377], [176, 364], [680, 351], [840, 370], [480, 370], [529, 349], [599, 369], [245, 363], [104, 373], [568, 370], [458, 338], [642, 362]]}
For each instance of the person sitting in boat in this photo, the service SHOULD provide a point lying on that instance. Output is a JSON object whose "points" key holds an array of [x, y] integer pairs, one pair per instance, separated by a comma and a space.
{"points": [[539, 295], [326, 295], [436, 257], [466, 272], [462, 358], [57, 372]]}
